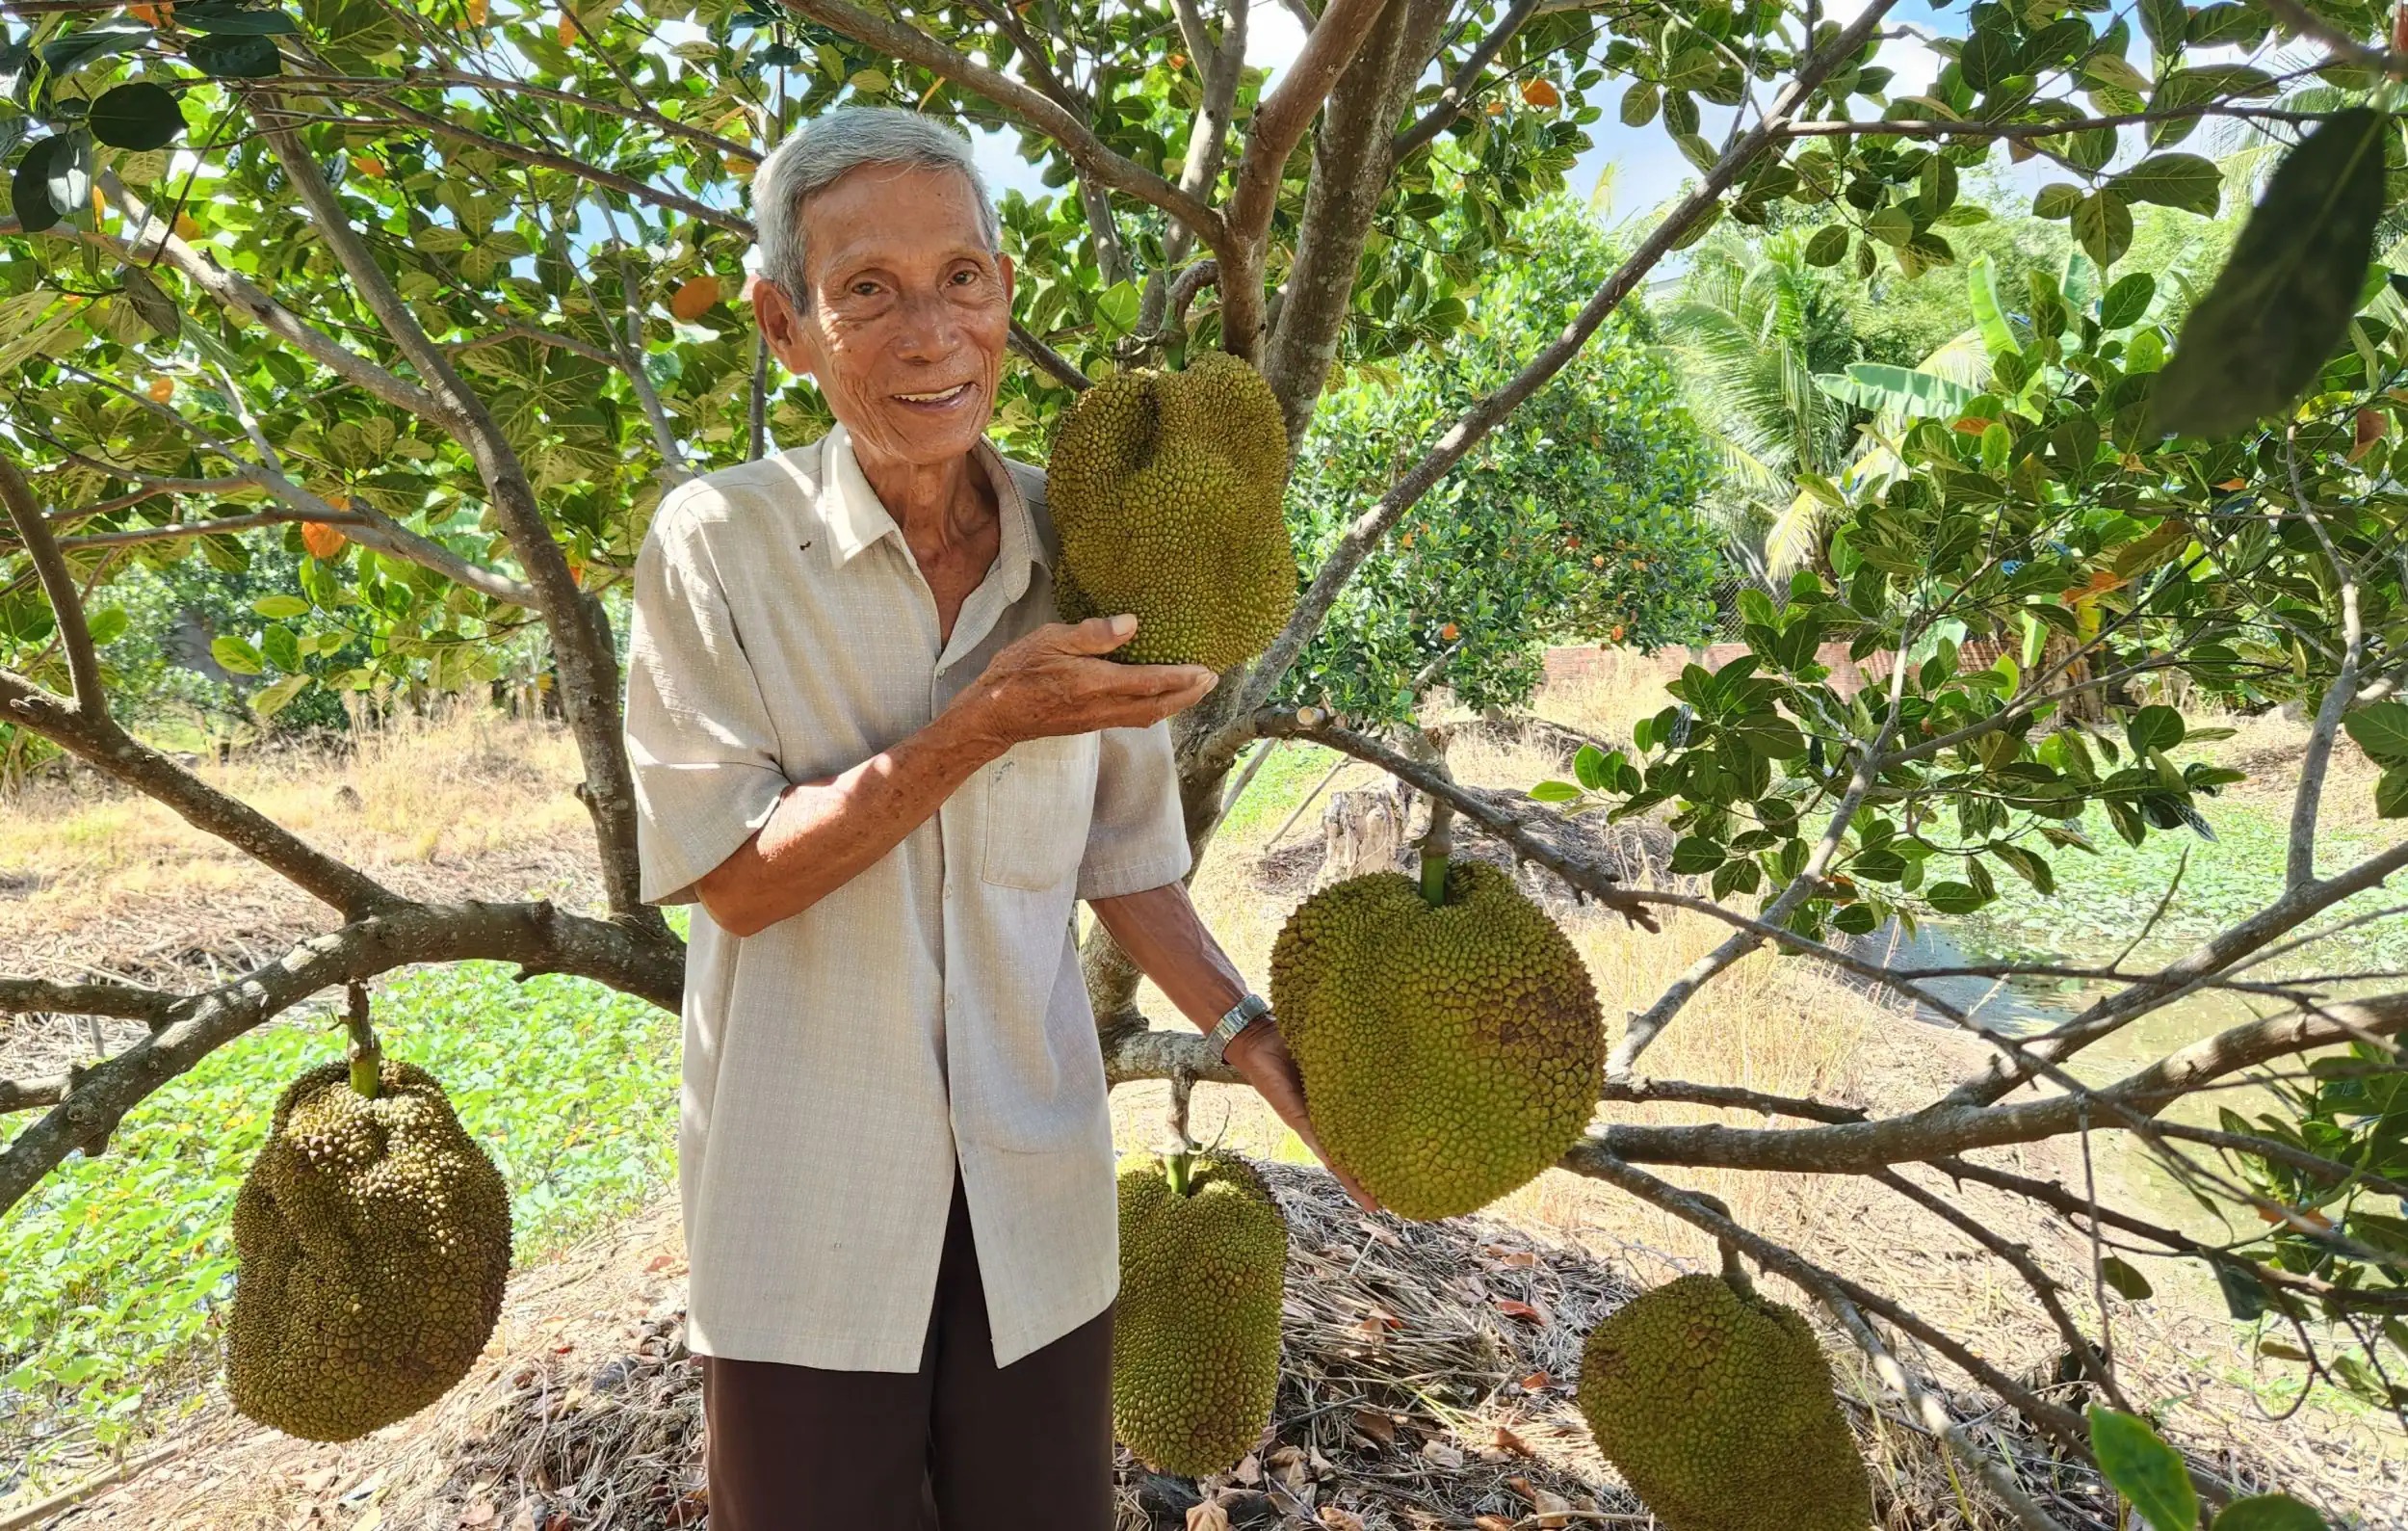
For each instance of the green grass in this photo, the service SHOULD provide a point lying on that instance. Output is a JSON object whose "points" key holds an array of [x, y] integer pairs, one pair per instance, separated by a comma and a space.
{"points": [[117, 1270], [1276, 788]]}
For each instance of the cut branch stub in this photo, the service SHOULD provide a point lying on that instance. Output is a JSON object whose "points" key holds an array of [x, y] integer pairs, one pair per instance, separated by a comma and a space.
{"points": [[365, 1054]]}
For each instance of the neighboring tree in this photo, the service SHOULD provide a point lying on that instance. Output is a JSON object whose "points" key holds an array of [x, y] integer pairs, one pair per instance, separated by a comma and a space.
{"points": [[452, 284], [1574, 522]]}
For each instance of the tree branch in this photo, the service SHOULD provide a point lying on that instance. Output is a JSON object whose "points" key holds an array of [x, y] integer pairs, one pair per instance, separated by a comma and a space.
{"points": [[1060, 368], [348, 86], [535, 935], [1029, 106], [1456, 95], [2299, 868], [58, 583], [1916, 127], [25, 996]]}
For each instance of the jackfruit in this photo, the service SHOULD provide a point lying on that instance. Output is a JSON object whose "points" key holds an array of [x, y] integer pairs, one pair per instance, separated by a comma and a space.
{"points": [[372, 1239], [1165, 489], [1449, 1054], [1719, 1411], [1195, 1337]]}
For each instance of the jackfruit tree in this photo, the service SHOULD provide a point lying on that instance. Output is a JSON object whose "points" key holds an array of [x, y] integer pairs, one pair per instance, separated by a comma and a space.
{"points": [[425, 285], [1195, 1334]]}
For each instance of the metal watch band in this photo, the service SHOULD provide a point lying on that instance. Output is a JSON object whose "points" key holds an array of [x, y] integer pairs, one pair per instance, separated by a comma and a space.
{"points": [[1241, 1015]]}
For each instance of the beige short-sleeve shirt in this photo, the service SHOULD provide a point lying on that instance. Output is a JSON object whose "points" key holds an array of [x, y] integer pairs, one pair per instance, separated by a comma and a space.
{"points": [[839, 1063]]}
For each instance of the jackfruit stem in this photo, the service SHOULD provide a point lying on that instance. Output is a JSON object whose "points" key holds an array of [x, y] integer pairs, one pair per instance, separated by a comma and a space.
{"points": [[1175, 1168], [1438, 841], [366, 1055], [1734, 1273]]}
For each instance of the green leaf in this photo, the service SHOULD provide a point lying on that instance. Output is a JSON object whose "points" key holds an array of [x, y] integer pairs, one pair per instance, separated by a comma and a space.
{"points": [[2155, 727], [1641, 103], [2255, 343], [1981, 289], [1828, 247], [2390, 794], [1881, 386], [1554, 792], [1953, 898], [1588, 764], [235, 654], [2056, 200], [2144, 1469], [29, 188], [1693, 856], [2186, 181], [1891, 226], [2166, 21], [2126, 301], [107, 624], [141, 116], [1116, 308], [2268, 1512], [268, 700], [63, 56], [234, 20], [234, 56], [2127, 1283], [279, 608], [157, 309], [2103, 226], [2381, 730]]}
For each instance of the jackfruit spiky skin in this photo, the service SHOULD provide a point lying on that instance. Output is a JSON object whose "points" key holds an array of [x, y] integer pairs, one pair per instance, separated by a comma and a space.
{"points": [[1449, 1054], [1195, 1335], [1719, 1411], [1165, 490], [373, 1238]]}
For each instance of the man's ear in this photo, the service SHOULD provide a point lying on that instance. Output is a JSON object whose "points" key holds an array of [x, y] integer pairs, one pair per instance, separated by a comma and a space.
{"points": [[781, 325]]}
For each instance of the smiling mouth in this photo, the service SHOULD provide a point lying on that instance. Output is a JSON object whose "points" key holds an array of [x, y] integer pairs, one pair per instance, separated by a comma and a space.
{"points": [[941, 396]]}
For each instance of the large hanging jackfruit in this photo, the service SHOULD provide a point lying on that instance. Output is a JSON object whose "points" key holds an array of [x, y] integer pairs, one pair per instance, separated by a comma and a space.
{"points": [[1165, 489], [1448, 1053], [1195, 1337], [374, 1239], [1719, 1411]]}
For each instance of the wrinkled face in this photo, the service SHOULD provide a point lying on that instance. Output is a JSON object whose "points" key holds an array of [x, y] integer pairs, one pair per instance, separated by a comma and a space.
{"points": [[909, 312]]}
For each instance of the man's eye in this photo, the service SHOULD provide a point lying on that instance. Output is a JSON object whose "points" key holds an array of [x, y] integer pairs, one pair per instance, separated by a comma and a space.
{"points": [[865, 289], [964, 276]]}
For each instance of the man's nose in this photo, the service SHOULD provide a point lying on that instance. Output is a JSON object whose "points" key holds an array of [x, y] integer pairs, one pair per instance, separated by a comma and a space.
{"points": [[931, 330]]}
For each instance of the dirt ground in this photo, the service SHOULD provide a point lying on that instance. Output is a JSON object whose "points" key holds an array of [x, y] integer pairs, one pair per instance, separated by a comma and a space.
{"points": [[587, 1389]]}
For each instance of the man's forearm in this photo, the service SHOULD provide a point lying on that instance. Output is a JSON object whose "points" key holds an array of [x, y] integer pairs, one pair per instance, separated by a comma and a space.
{"points": [[1161, 932], [823, 834]]}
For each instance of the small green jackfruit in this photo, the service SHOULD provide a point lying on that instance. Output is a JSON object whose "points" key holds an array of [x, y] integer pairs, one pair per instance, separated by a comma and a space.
{"points": [[1165, 489], [1450, 1053], [1719, 1412], [1195, 1337], [372, 1239]]}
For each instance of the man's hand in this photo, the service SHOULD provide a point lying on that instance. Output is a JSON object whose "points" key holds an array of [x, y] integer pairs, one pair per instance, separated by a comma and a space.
{"points": [[1261, 1054], [1054, 681]]}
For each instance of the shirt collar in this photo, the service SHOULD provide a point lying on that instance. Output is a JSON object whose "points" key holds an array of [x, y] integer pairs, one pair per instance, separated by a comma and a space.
{"points": [[856, 517]]}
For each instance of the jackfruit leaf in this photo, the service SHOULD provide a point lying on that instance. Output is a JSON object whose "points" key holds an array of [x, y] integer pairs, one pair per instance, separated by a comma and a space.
{"points": [[279, 608], [1953, 898], [63, 56], [268, 700], [234, 56], [2268, 1512], [1828, 247], [107, 624], [2128, 300], [2103, 226], [2390, 794], [2056, 201], [234, 20], [1554, 792], [2144, 1469], [2188, 181], [2244, 1295], [157, 309], [2381, 730], [235, 654], [1116, 308], [138, 116], [2127, 1281], [2154, 728], [2282, 303], [1588, 764]]}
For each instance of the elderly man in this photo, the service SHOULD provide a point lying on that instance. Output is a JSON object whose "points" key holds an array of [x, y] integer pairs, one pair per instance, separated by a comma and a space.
{"points": [[883, 772]]}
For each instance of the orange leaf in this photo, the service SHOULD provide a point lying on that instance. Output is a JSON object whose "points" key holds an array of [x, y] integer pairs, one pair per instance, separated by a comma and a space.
{"points": [[1503, 1440], [324, 542], [1512, 1308], [2233, 483], [1377, 1426], [1972, 425], [567, 31], [1536, 1381], [187, 227], [1492, 1522], [161, 389], [1541, 92], [368, 165], [1448, 632]]}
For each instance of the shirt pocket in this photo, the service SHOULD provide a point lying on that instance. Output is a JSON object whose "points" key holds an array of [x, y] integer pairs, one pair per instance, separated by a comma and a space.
{"points": [[1040, 798]]}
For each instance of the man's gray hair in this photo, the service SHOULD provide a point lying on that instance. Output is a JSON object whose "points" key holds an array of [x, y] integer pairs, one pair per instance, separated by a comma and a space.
{"points": [[816, 155]]}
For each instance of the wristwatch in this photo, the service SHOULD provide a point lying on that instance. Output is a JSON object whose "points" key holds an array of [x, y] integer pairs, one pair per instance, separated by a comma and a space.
{"points": [[1241, 1014]]}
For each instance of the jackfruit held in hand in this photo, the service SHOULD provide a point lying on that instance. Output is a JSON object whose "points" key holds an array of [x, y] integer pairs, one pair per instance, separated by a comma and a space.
{"points": [[1195, 1337], [372, 1237], [1449, 1054], [1719, 1411], [1165, 490]]}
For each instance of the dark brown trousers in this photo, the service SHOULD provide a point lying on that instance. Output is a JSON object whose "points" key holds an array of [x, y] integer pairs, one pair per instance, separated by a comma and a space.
{"points": [[960, 1444]]}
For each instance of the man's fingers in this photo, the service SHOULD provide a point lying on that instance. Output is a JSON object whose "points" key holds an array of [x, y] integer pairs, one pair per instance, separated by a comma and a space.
{"points": [[1098, 635]]}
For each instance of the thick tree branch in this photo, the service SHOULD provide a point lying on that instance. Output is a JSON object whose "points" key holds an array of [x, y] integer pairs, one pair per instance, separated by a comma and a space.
{"points": [[25, 996], [581, 641], [1032, 107], [1916, 127], [101, 744], [348, 86], [58, 583], [535, 935], [2299, 868], [1060, 368]]}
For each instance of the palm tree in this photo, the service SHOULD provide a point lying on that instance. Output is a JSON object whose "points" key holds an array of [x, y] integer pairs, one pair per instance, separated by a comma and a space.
{"points": [[1753, 325]]}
